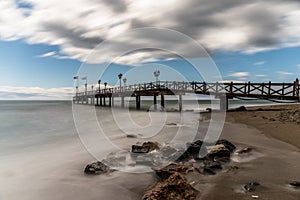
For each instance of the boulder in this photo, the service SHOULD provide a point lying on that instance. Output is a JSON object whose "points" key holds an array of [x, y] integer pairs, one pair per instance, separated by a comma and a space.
{"points": [[97, 168], [174, 187], [165, 172], [241, 108], [231, 147], [146, 147], [218, 153], [192, 151]]}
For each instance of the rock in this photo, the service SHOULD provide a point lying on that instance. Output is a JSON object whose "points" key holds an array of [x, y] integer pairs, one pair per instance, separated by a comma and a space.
{"points": [[295, 184], [218, 152], [172, 124], [251, 187], [97, 168], [192, 151], [231, 147], [212, 165], [209, 110], [241, 108], [145, 148], [173, 188], [170, 169], [243, 150], [131, 136]]}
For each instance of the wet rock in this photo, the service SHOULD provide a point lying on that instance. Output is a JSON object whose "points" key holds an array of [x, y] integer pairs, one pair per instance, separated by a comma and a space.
{"points": [[295, 184], [251, 187], [146, 147], [173, 188], [97, 168], [241, 108], [243, 150], [131, 136], [218, 152], [231, 147], [213, 165], [192, 151], [232, 169], [170, 169]]}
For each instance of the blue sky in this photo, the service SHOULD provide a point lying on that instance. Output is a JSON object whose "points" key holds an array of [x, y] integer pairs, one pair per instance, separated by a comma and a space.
{"points": [[40, 55]]}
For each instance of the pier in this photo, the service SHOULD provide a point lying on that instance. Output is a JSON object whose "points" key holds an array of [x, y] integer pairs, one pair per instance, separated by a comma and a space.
{"points": [[159, 89]]}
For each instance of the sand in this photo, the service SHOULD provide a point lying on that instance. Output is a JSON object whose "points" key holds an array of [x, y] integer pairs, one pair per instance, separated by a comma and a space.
{"points": [[273, 133]]}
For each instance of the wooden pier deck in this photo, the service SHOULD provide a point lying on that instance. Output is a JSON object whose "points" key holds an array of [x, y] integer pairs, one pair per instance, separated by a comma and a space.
{"points": [[223, 91]]}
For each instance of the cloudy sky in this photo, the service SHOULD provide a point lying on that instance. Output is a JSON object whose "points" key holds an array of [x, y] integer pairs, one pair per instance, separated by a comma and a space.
{"points": [[43, 43]]}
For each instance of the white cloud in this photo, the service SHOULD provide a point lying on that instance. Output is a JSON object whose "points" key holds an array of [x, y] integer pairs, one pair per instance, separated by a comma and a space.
{"points": [[240, 74], [78, 27], [260, 63], [48, 54], [261, 75], [35, 93], [283, 73]]}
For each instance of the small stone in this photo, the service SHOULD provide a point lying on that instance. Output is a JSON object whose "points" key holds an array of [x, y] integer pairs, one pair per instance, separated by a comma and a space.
{"points": [[97, 168], [131, 136], [231, 147], [217, 152], [251, 187]]}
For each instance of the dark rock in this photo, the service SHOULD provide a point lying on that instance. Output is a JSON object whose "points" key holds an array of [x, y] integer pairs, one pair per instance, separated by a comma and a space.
{"points": [[170, 169], [231, 147], [213, 165], [131, 136], [139, 149], [192, 151], [97, 168], [251, 187], [145, 148], [173, 188], [241, 108], [209, 110], [295, 184], [172, 124], [218, 152]]}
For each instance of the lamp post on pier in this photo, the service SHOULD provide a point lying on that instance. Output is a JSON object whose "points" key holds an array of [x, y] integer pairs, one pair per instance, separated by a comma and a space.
{"points": [[120, 77], [124, 80], [156, 74], [99, 81]]}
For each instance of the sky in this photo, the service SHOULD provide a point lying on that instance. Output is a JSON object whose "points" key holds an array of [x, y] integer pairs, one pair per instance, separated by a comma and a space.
{"points": [[44, 44]]}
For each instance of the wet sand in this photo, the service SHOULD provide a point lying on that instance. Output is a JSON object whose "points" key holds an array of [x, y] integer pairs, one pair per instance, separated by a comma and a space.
{"points": [[273, 133]]}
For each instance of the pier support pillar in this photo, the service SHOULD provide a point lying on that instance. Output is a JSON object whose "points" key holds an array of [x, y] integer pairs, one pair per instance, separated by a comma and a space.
{"points": [[180, 102], [109, 101], [100, 101], [122, 102], [104, 102], [224, 103], [97, 101], [138, 102], [112, 101], [162, 101], [155, 102]]}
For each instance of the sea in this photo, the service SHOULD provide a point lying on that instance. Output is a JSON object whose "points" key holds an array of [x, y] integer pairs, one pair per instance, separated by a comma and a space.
{"points": [[44, 146]]}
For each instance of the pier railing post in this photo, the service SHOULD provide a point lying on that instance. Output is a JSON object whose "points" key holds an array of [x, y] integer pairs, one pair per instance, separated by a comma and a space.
{"points": [[138, 102], [180, 102], [224, 102]]}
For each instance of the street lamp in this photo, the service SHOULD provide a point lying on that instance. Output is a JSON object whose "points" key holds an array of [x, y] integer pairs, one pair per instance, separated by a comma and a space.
{"points": [[105, 84], [156, 74], [120, 77], [99, 81], [124, 80]]}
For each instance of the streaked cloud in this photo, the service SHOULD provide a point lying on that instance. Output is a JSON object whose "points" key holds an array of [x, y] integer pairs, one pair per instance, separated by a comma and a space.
{"points": [[48, 54], [240, 74], [244, 26], [35, 93], [260, 63], [283, 73]]}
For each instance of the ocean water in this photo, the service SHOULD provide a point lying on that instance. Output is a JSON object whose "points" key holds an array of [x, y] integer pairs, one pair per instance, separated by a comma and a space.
{"points": [[43, 151]]}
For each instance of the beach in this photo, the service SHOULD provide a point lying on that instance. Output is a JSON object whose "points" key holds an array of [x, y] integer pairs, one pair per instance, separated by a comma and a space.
{"points": [[273, 133], [54, 169]]}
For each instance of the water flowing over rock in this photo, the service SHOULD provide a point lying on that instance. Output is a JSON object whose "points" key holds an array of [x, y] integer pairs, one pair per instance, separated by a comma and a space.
{"points": [[97, 168], [146, 147]]}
